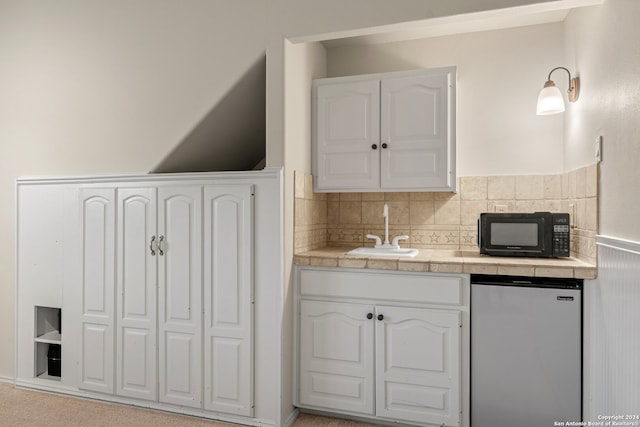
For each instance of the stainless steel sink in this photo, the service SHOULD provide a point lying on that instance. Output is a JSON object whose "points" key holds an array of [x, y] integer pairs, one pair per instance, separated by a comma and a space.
{"points": [[385, 252]]}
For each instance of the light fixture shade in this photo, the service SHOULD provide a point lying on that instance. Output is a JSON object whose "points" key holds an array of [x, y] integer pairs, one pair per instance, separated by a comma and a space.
{"points": [[550, 100]]}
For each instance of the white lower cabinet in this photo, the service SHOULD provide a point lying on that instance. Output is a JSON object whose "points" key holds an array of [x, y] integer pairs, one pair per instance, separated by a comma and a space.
{"points": [[374, 352]]}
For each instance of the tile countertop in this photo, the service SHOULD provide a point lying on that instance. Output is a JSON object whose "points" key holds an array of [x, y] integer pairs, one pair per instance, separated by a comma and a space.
{"points": [[451, 261]]}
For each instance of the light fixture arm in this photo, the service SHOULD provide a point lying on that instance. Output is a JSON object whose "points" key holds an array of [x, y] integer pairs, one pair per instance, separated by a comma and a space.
{"points": [[574, 84]]}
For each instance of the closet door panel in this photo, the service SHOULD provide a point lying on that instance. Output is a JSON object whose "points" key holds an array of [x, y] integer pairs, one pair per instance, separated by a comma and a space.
{"points": [[228, 296], [180, 294], [136, 290], [98, 288]]}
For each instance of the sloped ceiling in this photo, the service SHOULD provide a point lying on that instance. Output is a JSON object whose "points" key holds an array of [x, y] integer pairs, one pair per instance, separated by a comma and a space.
{"points": [[231, 137]]}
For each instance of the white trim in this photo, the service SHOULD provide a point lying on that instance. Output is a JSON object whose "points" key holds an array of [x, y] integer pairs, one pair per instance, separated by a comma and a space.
{"points": [[16, 277], [134, 177], [492, 19], [450, 69], [292, 417], [7, 380], [620, 244]]}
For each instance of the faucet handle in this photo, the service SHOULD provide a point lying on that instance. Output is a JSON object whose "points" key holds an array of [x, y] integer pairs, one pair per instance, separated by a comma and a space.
{"points": [[398, 238], [373, 236]]}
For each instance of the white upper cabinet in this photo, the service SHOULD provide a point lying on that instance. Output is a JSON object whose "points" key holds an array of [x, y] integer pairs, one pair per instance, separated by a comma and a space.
{"points": [[380, 132]]}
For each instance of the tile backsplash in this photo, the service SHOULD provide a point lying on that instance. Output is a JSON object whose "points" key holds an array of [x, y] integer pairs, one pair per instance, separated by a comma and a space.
{"points": [[310, 215], [446, 220]]}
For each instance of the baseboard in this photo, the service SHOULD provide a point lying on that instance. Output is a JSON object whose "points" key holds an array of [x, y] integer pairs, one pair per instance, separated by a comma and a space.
{"points": [[292, 417], [7, 380]]}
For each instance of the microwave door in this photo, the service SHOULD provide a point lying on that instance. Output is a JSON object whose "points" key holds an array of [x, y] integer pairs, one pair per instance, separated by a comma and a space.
{"points": [[513, 235]]}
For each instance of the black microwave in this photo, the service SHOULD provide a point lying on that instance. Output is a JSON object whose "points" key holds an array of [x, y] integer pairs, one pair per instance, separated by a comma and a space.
{"points": [[538, 234]]}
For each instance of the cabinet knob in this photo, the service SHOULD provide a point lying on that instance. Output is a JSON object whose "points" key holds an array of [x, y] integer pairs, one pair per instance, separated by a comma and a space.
{"points": [[370, 316], [384, 145], [374, 146], [380, 317]]}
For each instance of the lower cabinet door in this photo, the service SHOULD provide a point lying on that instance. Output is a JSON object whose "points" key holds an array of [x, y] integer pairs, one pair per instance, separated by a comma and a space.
{"points": [[418, 365], [336, 356]]}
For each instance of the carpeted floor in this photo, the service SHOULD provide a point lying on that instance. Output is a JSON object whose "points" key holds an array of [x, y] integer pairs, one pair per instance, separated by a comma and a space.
{"points": [[25, 408]]}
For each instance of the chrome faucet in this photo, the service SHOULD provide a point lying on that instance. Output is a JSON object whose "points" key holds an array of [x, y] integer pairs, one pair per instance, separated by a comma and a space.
{"points": [[386, 244]]}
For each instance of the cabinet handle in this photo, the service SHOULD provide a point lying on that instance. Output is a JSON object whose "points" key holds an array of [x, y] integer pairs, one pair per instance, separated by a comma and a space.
{"points": [[380, 317], [153, 239], [370, 316], [160, 240], [374, 146], [384, 145]]}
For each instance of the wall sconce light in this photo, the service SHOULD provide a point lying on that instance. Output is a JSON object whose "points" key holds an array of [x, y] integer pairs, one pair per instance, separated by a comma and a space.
{"points": [[550, 99]]}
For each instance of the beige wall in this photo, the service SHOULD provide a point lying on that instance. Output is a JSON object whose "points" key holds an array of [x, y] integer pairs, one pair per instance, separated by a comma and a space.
{"points": [[603, 46], [499, 75], [103, 87]]}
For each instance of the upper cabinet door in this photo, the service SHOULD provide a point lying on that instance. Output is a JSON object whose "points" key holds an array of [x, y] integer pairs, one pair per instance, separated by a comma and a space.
{"points": [[418, 365], [136, 285], [415, 133], [179, 255], [228, 299], [347, 135]]}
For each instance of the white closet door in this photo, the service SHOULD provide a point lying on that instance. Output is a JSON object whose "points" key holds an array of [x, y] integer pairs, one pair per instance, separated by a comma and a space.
{"points": [[98, 212], [228, 294], [418, 365], [180, 294], [415, 132], [136, 283]]}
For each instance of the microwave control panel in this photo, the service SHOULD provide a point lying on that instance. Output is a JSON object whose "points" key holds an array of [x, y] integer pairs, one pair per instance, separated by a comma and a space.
{"points": [[561, 235]]}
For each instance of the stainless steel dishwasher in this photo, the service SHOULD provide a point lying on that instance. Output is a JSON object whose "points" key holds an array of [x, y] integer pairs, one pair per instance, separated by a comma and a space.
{"points": [[526, 351]]}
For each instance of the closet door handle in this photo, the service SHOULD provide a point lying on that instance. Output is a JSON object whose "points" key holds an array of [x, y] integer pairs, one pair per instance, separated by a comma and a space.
{"points": [[160, 240], [380, 317], [370, 316], [153, 252]]}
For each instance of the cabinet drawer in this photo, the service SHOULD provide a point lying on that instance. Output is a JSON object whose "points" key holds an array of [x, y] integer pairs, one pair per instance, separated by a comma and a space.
{"points": [[406, 287]]}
